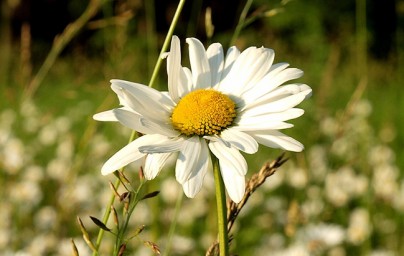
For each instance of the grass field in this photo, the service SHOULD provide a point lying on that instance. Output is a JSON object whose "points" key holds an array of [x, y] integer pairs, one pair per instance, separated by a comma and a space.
{"points": [[343, 195]]}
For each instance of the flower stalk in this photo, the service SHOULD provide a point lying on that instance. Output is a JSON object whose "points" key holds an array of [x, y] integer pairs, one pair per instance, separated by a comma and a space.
{"points": [[221, 209], [134, 133], [133, 201]]}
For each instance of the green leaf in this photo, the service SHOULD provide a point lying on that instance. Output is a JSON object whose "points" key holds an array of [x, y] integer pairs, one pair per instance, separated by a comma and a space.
{"points": [[150, 195], [99, 224]]}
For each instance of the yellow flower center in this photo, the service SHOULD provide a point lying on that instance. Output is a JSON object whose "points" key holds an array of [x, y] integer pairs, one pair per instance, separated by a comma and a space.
{"points": [[203, 112]]}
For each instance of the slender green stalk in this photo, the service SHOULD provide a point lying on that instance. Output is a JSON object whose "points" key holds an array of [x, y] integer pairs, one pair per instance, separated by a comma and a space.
{"points": [[167, 41], [174, 223], [361, 38], [241, 21], [110, 203], [133, 135], [221, 209], [133, 202]]}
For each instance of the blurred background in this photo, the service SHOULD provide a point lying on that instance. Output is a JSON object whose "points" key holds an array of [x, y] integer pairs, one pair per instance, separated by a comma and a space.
{"points": [[343, 195]]}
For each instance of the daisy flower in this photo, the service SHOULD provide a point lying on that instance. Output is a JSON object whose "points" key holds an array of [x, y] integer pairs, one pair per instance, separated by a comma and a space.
{"points": [[221, 105]]}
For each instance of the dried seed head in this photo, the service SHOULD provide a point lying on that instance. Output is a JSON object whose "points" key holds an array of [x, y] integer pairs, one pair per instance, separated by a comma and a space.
{"points": [[74, 248], [86, 236], [115, 214], [114, 190], [122, 249], [141, 173], [152, 246], [124, 197]]}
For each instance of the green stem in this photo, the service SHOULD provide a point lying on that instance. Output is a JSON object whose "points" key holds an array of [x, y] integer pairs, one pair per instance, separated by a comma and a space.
{"points": [[221, 209], [105, 218], [110, 203], [133, 135], [241, 21], [133, 202], [167, 41]]}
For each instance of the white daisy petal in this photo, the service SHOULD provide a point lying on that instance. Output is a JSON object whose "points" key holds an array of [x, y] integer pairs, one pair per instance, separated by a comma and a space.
{"points": [[145, 96], [261, 67], [279, 93], [270, 82], [240, 140], [246, 118], [187, 159], [185, 82], [229, 156], [165, 145], [217, 139], [105, 116], [154, 163], [162, 127], [194, 184], [199, 64], [276, 139], [216, 62], [231, 56], [259, 126], [129, 153], [249, 68], [234, 183], [130, 120], [142, 125], [174, 69], [278, 67], [280, 105], [144, 107]]}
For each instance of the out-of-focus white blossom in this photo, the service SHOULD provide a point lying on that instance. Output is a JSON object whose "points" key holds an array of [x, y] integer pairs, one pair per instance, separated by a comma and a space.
{"points": [[318, 163], [293, 250], [384, 181], [170, 190], [13, 155], [58, 169], [7, 119], [62, 124], [381, 154], [382, 253], [343, 185], [26, 193], [362, 108], [360, 227], [183, 245], [33, 173], [329, 126], [46, 218], [314, 205], [321, 235], [398, 200], [297, 177], [65, 148]]}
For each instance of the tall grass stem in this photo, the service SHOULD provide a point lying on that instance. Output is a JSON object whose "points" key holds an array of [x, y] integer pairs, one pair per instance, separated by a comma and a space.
{"points": [[166, 42], [60, 43], [241, 21], [133, 135]]}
